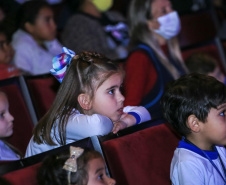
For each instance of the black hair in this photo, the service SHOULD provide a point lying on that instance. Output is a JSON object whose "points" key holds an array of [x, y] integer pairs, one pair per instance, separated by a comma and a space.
{"points": [[192, 94], [28, 12]]}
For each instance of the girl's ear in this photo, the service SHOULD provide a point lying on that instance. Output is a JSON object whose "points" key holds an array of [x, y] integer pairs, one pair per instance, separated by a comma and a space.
{"points": [[85, 101], [193, 123], [29, 27]]}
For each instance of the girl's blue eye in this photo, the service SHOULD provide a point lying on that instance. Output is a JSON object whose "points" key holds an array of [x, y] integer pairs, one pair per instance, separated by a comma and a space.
{"points": [[100, 176], [111, 91]]}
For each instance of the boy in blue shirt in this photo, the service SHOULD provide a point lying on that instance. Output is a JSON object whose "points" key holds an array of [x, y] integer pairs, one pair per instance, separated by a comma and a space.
{"points": [[195, 106]]}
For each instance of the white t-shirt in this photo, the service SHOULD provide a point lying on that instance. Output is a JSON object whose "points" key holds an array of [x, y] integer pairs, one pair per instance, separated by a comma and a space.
{"points": [[190, 166], [80, 126], [31, 57]]}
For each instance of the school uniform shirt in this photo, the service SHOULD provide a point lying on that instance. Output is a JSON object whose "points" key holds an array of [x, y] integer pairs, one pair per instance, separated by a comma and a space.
{"points": [[190, 166], [80, 126], [6, 154], [32, 58]]}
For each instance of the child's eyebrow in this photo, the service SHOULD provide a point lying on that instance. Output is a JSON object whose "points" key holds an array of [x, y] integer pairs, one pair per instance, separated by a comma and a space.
{"points": [[98, 170], [112, 87]]}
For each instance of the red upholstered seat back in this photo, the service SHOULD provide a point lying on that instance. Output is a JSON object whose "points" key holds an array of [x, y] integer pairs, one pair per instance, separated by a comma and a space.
{"points": [[196, 28], [24, 171], [43, 91], [142, 157], [25, 176], [23, 124]]}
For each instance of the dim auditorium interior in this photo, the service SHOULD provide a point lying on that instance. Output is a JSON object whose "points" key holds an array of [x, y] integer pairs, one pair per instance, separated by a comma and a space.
{"points": [[140, 154]]}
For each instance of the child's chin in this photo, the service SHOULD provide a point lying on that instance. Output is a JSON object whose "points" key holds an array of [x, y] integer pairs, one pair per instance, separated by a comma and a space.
{"points": [[8, 134]]}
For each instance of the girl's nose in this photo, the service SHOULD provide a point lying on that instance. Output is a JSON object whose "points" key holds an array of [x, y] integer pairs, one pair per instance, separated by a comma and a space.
{"points": [[121, 97], [53, 24], [111, 181], [10, 118]]}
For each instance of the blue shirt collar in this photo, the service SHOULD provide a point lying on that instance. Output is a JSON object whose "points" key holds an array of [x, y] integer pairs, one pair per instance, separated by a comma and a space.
{"points": [[212, 154]]}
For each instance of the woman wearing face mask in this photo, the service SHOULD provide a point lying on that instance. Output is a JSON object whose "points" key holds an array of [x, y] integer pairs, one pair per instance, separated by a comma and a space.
{"points": [[155, 57], [94, 28]]}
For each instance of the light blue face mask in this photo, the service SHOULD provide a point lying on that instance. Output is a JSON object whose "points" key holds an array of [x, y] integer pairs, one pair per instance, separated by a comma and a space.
{"points": [[169, 25]]}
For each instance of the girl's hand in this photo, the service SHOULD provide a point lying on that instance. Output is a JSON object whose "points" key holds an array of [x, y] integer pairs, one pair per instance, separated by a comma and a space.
{"points": [[125, 121], [118, 126]]}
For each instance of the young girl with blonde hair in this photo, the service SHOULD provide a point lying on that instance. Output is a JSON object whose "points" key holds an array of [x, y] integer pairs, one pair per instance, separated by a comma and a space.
{"points": [[89, 102]]}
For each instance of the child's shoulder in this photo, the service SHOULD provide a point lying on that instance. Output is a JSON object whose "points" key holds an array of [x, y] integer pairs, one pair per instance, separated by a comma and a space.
{"points": [[6, 153]]}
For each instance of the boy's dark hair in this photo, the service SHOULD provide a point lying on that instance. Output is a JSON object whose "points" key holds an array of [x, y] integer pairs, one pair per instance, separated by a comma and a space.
{"points": [[192, 94], [201, 63], [29, 11]]}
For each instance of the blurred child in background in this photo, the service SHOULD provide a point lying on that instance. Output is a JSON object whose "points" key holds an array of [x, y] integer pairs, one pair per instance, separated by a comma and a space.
{"points": [[94, 27], [7, 70], [205, 64], [7, 152], [35, 41]]}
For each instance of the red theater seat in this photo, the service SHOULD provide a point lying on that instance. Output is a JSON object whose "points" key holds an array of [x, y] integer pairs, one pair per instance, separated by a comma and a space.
{"points": [[42, 89], [142, 157], [199, 34], [25, 176], [24, 171]]}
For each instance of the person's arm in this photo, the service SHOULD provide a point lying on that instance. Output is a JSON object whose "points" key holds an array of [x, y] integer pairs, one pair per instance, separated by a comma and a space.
{"points": [[82, 126], [137, 80], [132, 115]]}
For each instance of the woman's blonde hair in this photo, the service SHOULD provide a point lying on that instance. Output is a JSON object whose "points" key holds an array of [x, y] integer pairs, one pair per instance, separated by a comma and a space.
{"points": [[139, 14], [85, 74]]}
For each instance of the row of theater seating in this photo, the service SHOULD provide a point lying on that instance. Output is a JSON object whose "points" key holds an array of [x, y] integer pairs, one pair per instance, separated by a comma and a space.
{"points": [[29, 99], [137, 155]]}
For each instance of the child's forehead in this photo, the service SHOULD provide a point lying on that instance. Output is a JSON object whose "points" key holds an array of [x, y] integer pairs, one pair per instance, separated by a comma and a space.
{"points": [[114, 77]]}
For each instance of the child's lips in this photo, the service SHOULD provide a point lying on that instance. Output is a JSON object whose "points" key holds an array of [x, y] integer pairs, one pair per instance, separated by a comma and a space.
{"points": [[120, 110]]}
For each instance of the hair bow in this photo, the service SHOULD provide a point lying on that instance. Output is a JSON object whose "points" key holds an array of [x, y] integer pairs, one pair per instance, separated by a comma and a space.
{"points": [[71, 163], [61, 62]]}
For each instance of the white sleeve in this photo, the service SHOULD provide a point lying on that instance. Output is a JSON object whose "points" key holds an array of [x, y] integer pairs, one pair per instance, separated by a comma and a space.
{"points": [[82, 126], [142, 112]]}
